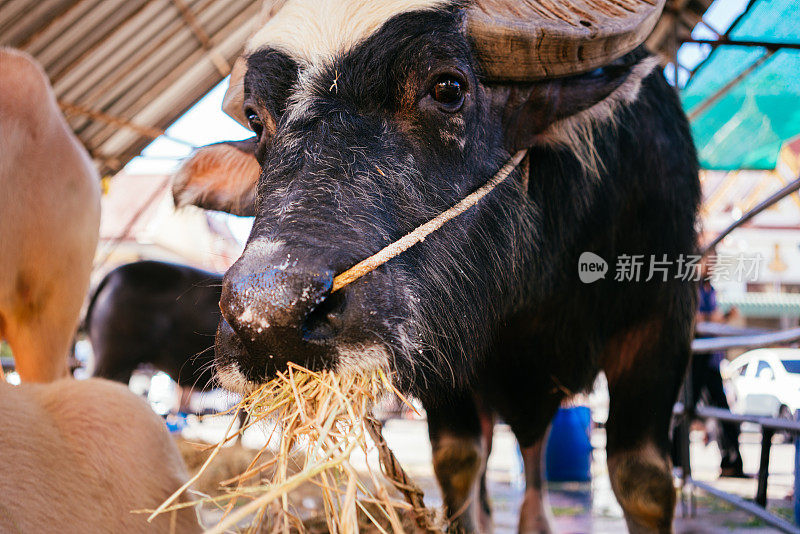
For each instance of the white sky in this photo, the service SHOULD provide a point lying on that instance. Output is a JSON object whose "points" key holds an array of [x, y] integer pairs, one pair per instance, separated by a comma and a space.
{"points": [[205, 123]]}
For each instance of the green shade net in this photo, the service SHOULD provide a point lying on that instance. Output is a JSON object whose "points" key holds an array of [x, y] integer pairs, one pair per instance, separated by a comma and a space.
{"points": [[747, 126]]}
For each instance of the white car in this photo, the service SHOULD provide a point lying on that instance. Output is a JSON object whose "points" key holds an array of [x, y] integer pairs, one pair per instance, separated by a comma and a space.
{"points": [[766, 382]]}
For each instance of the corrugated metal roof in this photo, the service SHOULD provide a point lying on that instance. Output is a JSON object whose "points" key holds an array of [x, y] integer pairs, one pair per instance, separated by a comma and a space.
{"points": [[124, 70]]}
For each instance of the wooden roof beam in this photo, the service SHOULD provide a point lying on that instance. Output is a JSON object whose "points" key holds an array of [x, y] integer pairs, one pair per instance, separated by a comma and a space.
{"points": [[197, 29]]}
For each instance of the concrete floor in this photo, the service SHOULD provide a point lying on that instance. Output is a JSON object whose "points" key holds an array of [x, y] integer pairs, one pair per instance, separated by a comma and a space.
{"points": [[591, 507], [578, 507]]}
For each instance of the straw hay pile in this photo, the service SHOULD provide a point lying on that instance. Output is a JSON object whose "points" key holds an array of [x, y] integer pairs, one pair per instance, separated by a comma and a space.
{"points": [[326, 417]]}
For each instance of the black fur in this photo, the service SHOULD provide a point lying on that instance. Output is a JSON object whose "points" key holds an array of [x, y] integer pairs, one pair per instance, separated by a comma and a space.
{"points": [[155, 313]]}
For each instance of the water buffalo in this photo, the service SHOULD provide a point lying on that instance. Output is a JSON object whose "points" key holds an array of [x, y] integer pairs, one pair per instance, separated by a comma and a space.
{"points": [[49, 221], [150, 312], [372, 118]]}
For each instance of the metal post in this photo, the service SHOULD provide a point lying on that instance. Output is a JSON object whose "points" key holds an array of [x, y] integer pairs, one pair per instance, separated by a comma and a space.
{"points": [[682, 434], [763, 468], [796, 438], [724, 41], [686, 431]]}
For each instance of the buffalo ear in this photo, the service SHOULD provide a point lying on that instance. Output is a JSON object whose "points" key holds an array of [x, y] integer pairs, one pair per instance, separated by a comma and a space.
{"points": [[221, 177], [548, 110]]}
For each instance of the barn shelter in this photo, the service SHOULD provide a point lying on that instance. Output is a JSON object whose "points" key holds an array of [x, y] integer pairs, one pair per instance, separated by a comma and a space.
{"points": [[125, 70]]}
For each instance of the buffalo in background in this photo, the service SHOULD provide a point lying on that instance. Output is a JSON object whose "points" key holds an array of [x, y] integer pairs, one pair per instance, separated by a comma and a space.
{"points": [[156, 313]]}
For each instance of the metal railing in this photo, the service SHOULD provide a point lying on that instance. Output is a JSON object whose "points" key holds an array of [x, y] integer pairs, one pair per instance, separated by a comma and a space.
{"points": [[757, 507], [768, 427]]}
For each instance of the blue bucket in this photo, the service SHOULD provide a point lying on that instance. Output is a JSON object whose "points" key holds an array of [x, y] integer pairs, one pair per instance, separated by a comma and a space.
{"points": [[568, 455]]}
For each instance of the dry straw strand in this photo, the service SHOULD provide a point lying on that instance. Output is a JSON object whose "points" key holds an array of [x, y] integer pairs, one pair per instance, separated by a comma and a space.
{"points": [[328, 417]]}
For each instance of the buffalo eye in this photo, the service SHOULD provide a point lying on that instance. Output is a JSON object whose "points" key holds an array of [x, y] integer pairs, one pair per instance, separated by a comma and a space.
{"points": [[254, 121], [449, 92]]}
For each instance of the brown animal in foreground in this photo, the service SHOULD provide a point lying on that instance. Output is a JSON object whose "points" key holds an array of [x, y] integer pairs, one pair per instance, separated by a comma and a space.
{"points": [[49, 221], [80, 456]]}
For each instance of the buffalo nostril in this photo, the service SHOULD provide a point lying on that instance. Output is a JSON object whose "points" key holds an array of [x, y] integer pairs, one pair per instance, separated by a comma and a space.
{"points": [[326, 320], [336, 320]]}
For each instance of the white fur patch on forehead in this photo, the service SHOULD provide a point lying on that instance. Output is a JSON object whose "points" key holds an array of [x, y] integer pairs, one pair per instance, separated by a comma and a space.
{"points": [[311, 31]]}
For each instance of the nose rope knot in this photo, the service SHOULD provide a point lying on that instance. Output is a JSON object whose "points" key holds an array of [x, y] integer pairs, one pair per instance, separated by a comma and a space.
{"points": [[424, 230]]}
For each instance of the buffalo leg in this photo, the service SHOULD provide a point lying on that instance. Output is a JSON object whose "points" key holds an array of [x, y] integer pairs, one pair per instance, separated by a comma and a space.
{"points": [[532, 516], [460, 450], [487, 434], [643, 377]]}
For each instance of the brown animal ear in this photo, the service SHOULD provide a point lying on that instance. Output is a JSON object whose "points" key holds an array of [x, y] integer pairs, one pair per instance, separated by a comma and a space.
{"points": [[220, 177]]}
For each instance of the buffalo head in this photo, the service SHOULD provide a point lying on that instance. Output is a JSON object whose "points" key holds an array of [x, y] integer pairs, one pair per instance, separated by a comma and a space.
{"points": [[370, 118]]}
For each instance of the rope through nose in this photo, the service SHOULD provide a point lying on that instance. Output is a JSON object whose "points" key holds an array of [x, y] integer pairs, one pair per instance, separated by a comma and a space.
{"points": [[424, 230]]}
